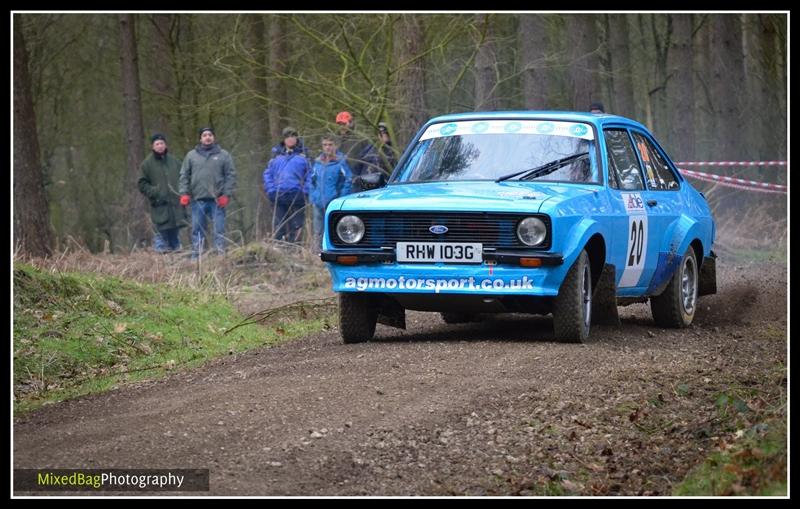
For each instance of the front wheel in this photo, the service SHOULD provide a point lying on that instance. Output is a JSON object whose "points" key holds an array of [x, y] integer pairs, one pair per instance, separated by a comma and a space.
{"points": [[358, 315], [676, 305], [572, 308]]}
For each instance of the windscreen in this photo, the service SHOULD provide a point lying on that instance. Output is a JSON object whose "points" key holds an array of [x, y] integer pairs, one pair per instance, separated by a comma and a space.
{"points": [[494, 149]]}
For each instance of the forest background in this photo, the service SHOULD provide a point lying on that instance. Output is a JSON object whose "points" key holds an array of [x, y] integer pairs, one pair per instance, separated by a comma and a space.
{"points": [[90, 88]]}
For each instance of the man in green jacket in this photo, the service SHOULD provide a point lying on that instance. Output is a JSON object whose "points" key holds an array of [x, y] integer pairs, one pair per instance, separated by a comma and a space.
{"points": [[159, 183], [208, 179]]}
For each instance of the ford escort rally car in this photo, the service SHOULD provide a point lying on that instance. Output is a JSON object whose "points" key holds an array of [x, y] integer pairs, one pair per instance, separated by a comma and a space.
{"points": [[562, 213]]}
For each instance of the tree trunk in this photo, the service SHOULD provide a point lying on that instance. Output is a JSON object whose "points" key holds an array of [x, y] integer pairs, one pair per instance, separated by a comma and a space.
{"points": [[727, 77], [139, 225], [534, 56], [257, 129], [411, 109], [701, 65], [32, 233], [770, 55], [680, 90], [279, 98], [486, 66], [583, 63], [163, 80], [620, 96]]}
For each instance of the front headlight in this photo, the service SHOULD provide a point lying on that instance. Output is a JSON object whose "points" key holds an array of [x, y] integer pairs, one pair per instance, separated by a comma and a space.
{"points": [[531, 231], [350, 229]]}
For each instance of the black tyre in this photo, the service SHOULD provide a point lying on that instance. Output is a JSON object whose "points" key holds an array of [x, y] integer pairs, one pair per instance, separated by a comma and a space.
{"points": [[358, 315], [457, 317], [676, 305], [572, 308]]}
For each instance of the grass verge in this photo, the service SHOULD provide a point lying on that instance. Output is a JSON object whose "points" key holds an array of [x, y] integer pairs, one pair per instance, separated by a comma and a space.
{"points": [[755, 466], [753, 459], [77, 334]]}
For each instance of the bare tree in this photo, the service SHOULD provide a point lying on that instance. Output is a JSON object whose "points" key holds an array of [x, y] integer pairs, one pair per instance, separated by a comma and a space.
{"points": [[32, 233], [704, 120], [278, 57], [486, 77], [534, 53], [163, 79], [620, 82], [134, 129], [680, 89], [727, 77], [771, 58], [257, 113], [583, 64], [411, 110]]}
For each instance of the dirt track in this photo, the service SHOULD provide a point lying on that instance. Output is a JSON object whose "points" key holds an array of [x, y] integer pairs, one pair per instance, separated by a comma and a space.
{"points": [[492, 408]]}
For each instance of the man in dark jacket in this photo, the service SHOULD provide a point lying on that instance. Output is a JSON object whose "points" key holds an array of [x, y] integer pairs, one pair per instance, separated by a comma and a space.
{"points": [[286, 179], [159, 183], [388, 159], [208, 179], [361, 154]]}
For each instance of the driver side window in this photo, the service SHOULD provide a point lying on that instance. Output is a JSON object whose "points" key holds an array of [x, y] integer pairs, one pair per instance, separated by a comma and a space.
{"points": [[623, 165]]}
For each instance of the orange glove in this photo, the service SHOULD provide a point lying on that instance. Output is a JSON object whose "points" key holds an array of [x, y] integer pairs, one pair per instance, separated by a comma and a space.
{"points": [[222, 201], [184, 199]]}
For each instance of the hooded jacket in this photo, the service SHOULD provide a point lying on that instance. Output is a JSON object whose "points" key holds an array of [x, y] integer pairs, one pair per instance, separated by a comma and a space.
{"points": [[288, 171], [329, 180]]}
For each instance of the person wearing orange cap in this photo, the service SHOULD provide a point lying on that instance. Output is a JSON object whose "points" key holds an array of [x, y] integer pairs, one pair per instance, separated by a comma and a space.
{"points": [[361, 155]]}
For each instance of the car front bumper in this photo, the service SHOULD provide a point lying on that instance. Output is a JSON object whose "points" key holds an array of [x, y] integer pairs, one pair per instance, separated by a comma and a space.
{"points": [[499, 274]]}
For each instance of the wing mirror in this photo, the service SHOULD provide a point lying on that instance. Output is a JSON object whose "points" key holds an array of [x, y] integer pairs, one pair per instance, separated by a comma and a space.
{"points": [[373, 181]]}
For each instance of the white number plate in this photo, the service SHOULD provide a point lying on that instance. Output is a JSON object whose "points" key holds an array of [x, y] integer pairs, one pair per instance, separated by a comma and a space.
{"points": [[440, 252]]}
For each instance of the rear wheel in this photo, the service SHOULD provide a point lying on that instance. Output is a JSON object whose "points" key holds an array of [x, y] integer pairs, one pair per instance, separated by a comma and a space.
{"points": [[358, 315], [676, 305], [572, 308]]}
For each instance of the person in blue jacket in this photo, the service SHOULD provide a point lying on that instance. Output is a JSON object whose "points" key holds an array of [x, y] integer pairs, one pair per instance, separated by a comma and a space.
{"points": [[330, 179], [286, 185]]}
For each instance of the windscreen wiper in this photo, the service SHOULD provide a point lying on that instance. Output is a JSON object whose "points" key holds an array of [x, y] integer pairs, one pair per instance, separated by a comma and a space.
{"points": [[544, 169]]}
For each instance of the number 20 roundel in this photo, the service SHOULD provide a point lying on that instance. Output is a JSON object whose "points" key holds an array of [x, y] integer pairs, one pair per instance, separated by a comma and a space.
{"points": [[636, 251]]}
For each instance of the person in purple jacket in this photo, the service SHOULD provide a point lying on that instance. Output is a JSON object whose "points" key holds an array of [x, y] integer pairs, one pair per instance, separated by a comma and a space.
{"points": [[286, 180]]}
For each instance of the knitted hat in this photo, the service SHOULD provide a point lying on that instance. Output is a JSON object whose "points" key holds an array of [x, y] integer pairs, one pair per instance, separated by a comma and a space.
{"points": [[204, 129], [157, 136]]}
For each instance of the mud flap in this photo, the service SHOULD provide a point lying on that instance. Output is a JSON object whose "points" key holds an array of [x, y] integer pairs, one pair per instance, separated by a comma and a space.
{"points": [[391, 313], [707, 280], [604, 298]]}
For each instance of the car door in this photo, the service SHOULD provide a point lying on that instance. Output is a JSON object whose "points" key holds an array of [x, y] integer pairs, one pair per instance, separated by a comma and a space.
{"points": [[664, 203], [633, 250]]}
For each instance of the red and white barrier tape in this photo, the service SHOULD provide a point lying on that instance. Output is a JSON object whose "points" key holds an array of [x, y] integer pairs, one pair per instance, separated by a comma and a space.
{"points": [[749, 185], [731, 163]]}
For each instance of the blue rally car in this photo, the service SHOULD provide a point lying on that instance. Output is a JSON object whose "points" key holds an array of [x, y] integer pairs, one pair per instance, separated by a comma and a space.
{"points": [[541, 212]]}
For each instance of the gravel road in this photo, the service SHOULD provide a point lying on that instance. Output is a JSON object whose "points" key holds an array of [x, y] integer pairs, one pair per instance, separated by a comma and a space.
{"points": [[490, 408]]}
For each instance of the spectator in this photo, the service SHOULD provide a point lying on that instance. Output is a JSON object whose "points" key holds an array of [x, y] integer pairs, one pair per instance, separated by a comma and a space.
{"points": [[208, 180], [596, 107], [286, 185], [385, 149], [361, 155], [159, 184], [330, 179]]}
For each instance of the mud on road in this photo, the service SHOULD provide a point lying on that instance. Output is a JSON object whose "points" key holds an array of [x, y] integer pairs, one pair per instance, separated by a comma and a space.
{"points": [[490, 408]]}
